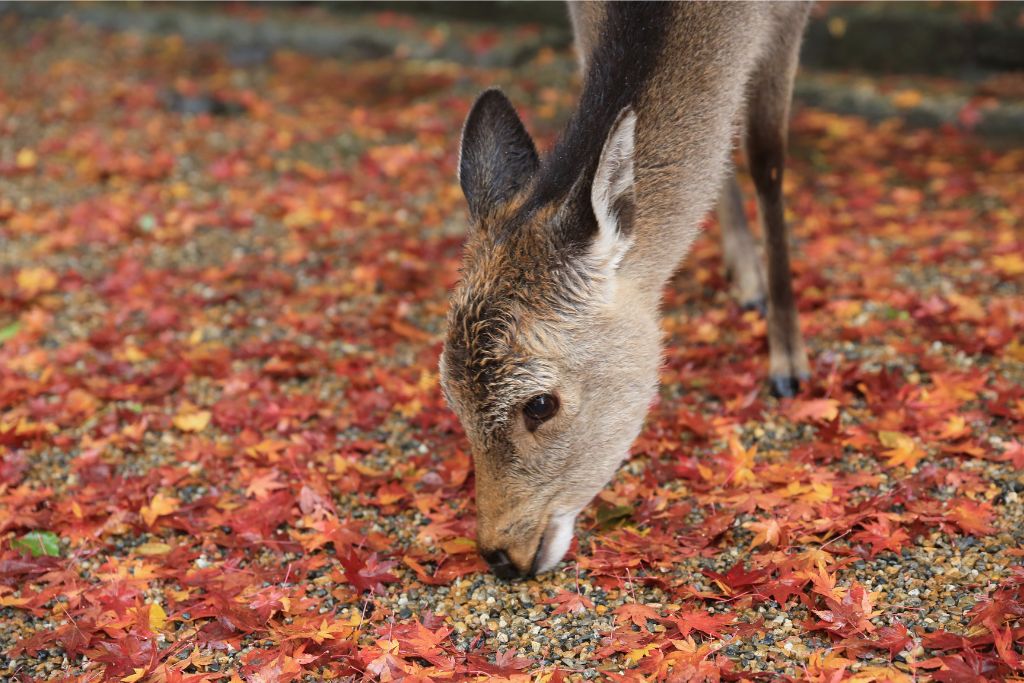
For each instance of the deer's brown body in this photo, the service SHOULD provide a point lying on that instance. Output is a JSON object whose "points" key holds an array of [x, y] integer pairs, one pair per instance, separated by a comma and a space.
{"points": [[553, 345]]}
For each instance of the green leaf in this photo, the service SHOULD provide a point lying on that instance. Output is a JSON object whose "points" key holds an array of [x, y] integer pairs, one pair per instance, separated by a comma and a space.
{"points": [[611, 517], [147, 223], [9, 331], [38, 543]]}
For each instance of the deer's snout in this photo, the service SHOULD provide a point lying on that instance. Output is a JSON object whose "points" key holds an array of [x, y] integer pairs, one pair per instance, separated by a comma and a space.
{"points": [[544, 549], [513, 561], [510, 547], [501, 565]]}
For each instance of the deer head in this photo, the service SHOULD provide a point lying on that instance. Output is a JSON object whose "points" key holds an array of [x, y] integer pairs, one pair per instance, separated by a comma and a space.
{"points": [[552, 353]]}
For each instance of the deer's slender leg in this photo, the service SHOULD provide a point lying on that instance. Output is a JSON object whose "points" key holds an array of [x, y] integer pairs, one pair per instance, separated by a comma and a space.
{"points": [[740, 250], [767, 122]]}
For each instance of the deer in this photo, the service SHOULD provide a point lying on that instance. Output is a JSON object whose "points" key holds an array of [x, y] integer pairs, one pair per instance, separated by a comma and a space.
{"points": [[553, 344]]}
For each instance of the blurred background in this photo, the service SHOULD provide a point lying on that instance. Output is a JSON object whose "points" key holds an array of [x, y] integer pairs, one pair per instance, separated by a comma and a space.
{"points": [[927, 62]]}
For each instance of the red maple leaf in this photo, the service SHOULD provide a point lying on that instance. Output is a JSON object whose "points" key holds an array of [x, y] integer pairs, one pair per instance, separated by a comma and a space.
{"points": [[894, 638], [737, 578], [1014, 454], [881, 536], [784, 587], [700, 620], [972, 517], [569, 602], [823, 409], [635, 613], [849, 615], [506, 664], [367, 574], [419, 640], [264, 484]]}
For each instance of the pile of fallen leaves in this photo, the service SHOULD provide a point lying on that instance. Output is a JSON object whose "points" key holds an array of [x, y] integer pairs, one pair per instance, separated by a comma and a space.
{"points": [[224, 454]]}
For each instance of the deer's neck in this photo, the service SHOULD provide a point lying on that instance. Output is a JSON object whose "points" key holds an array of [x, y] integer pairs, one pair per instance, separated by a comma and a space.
{"points": [[686, 122]]}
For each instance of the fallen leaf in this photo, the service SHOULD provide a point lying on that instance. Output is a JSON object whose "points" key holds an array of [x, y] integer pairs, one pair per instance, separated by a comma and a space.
{"points": [[38, 543], [192, 421], [35, 281], [159, 506]]}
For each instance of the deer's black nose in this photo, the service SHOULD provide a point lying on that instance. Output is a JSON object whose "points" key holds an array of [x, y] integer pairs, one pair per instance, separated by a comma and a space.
{"points": [[501, 565]]}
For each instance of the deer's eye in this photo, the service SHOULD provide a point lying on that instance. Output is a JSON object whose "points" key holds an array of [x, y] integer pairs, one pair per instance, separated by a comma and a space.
{"points": [[539, 409]]}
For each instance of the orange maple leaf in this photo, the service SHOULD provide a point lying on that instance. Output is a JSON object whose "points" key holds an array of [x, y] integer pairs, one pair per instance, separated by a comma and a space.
{"points": [[635, 613], [263, 485], [972, 517], [569, 601], [192, 420], [954, 428], [768, 532], [33, 281], [903, 450], [158, 507], [814, 409], [743, 459]]}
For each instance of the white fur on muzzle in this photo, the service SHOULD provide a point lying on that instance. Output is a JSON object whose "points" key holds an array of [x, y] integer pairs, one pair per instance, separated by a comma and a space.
{"points": [[556, 540]]}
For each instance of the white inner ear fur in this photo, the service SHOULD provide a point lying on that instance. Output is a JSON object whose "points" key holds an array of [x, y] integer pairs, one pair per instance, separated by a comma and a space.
{"points": [[613, 179]]}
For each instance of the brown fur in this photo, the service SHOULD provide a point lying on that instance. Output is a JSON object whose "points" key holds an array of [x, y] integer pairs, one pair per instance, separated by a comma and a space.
{"points": [[550, 304]]}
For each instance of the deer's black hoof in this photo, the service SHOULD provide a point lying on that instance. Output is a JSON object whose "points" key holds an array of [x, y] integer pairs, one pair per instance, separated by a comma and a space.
{"points": [[759, 305], [784, 386]]}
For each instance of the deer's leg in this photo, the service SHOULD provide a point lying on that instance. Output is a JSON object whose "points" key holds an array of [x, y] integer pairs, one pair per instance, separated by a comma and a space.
{"points": [[768, 117], [740, 250]]}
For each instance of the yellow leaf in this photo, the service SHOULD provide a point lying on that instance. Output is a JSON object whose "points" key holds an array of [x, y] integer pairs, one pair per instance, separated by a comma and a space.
{"points": [[816, 557], [902, 449], [820, 492], [839, 127], [133, 354], [457, 546], [33, 281], [157, 617], [1009, 264], [744, 458], [131, 678], [966, 307], [26, 159], [879, 674], [153, 549], [830, 662], [11, 601], [1014, 351], [634, 656], [907, 99], [159, 506], [955, 428], [767, 532], [814, 492], [140, 571], [192, 421], [334, 630], [197, 659], [892, 439]]}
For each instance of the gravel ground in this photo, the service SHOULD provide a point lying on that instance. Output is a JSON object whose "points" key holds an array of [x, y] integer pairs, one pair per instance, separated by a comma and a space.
{"points": [[268, 243]]}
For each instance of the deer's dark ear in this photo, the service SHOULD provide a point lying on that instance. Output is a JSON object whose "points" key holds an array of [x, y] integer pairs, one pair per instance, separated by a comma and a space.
{"points": [[497, 157]]}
